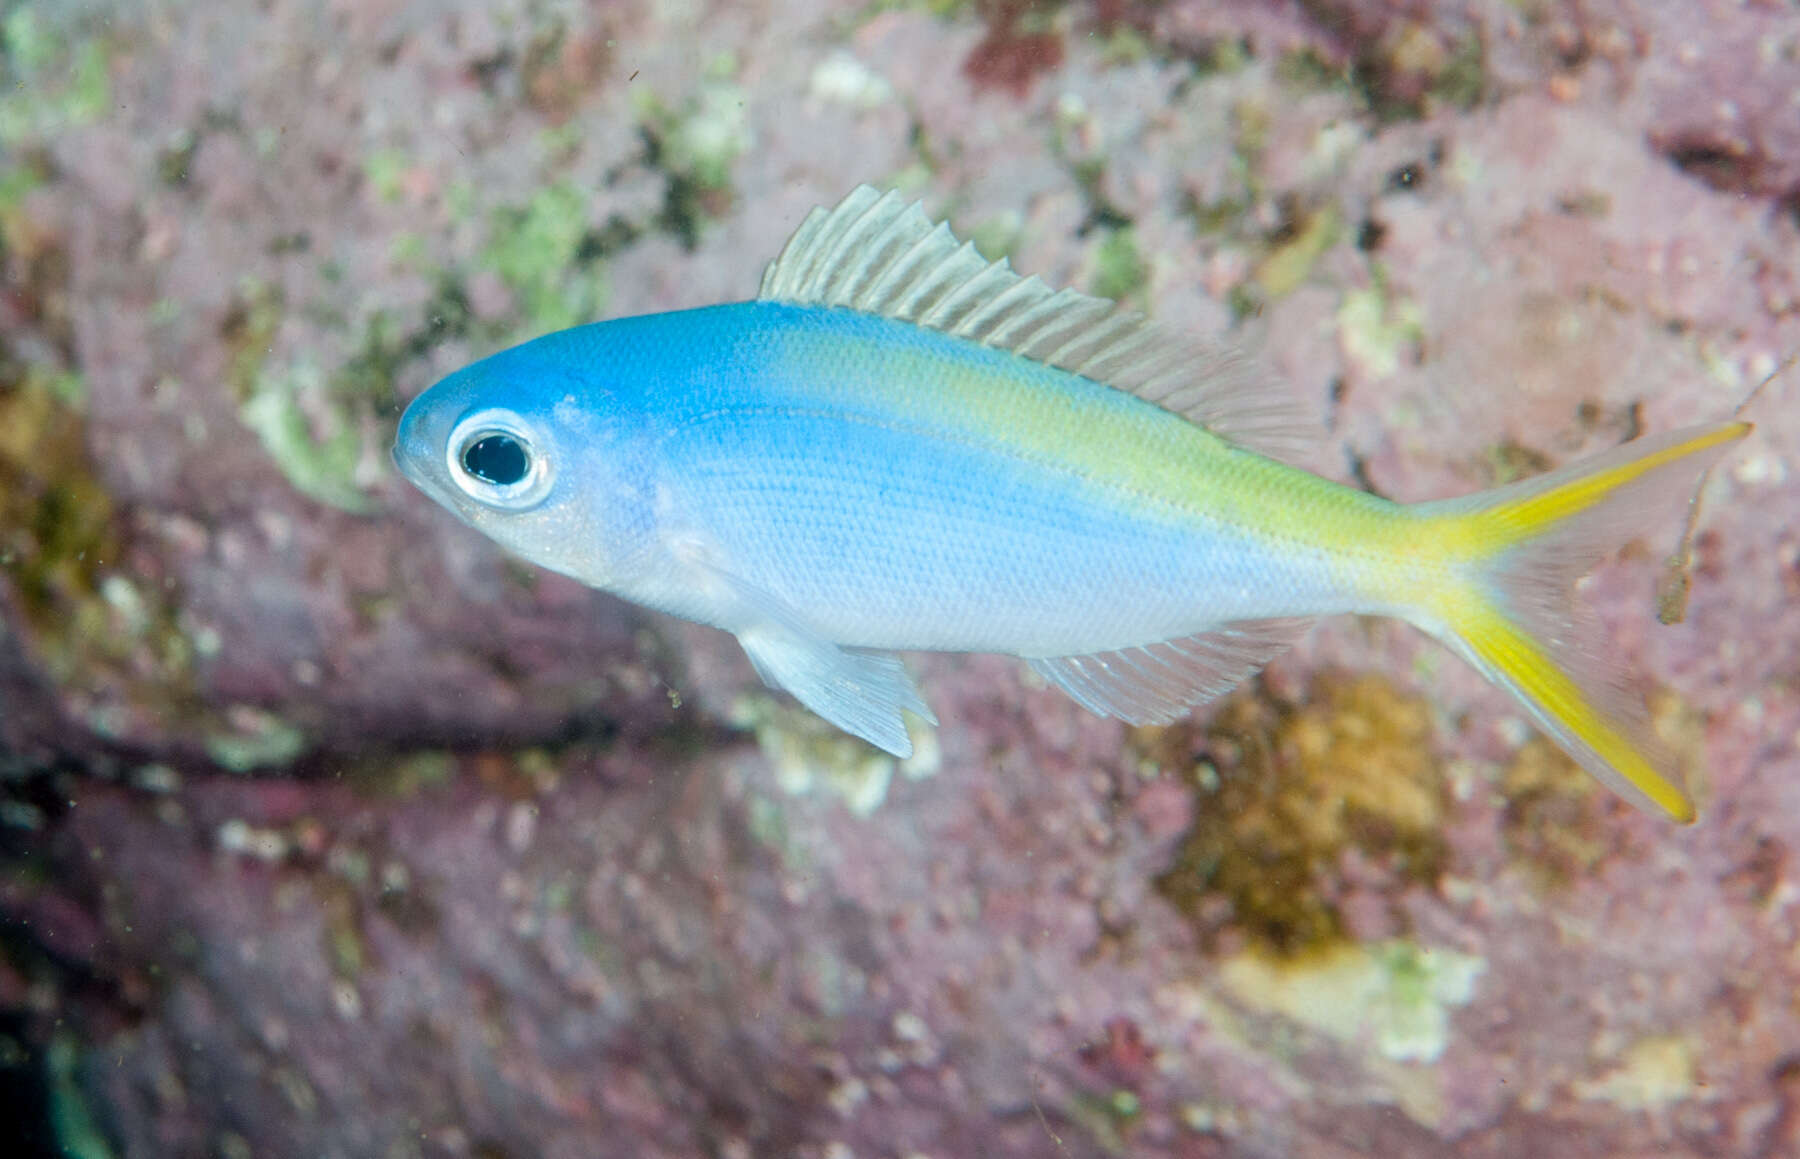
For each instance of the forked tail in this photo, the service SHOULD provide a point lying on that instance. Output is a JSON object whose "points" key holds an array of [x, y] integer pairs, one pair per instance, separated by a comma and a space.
{"points": [[1514, 555]]}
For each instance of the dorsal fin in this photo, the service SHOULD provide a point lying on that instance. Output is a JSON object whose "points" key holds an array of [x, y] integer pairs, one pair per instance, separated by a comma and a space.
{"points": [[879, 254]]}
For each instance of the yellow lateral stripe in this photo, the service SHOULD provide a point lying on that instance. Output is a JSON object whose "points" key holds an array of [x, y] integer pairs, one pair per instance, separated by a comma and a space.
{"points": [[1513, 522], [1514, 654]]}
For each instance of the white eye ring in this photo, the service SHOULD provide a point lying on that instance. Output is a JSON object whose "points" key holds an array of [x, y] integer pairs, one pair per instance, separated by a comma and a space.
{"points": [[493, 457]]}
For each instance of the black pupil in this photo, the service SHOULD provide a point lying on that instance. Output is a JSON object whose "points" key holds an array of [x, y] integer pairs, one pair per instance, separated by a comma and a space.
{"points": [[496, 459]]}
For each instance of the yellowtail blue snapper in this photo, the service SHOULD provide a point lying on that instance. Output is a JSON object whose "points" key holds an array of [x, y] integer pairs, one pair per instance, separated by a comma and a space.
{"points": [[901, 446]]}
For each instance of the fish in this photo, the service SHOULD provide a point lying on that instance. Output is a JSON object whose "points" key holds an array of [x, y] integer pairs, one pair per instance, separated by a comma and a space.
{"points": [[899, 445]]}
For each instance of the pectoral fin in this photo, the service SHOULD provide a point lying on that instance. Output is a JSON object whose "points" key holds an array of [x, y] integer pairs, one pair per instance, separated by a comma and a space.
{"points": [[862, 693]]}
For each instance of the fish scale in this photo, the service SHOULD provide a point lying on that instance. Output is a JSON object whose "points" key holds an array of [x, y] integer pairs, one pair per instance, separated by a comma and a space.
{"points": [[829, 510], [901, 446]]}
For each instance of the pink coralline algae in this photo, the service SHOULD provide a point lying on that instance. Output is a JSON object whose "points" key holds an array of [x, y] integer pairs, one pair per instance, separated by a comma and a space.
{"points": [[327, 830]]}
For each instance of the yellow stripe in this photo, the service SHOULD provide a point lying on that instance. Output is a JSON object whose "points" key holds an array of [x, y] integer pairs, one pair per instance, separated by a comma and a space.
{"points": [[1504, 526], [1514, 654], [1107, 437]]}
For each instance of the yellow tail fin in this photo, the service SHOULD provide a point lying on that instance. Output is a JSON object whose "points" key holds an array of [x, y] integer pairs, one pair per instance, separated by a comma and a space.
{"points": [[1515, 554]]}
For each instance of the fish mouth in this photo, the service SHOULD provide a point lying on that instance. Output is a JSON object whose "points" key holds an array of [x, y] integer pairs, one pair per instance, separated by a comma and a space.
{"points": [[412, 451], [418, 453]]}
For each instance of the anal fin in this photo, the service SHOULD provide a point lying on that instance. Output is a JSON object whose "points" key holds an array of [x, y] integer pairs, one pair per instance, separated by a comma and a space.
{"points": [[1161, 682]]}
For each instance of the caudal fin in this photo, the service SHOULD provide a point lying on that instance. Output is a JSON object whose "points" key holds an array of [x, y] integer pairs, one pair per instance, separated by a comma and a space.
{"points": [[1506, 599]]}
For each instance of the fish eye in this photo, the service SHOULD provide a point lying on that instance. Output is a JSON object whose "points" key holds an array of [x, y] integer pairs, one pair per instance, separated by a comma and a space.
{"points": [[498, 458], [494, 460]]}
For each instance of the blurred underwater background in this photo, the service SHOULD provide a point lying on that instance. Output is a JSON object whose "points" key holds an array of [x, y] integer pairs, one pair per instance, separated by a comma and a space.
{"points": [[328, 830]]}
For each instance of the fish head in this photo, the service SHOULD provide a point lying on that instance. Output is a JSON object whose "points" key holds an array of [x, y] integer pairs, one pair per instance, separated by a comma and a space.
{"points": [[537, 455]]}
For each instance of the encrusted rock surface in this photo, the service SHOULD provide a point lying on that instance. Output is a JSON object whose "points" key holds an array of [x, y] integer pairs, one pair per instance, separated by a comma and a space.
{"points": [[327, 830]]}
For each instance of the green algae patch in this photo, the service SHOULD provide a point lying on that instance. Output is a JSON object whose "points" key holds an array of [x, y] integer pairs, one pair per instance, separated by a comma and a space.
{"points": [[115, 645], [1285, 790], [404, 777], [810, 756], [697, 144], [1510, 461], [255, 740], [344, 941], [58, 516], [1108, 1118], [78, 1133], [1377, 334], [384, 171], [1395, 997], [248, 328], [306, 426], [1306, 70], [708, 136], [1291, 259], [315, 442], [324, 427], [1650, 1075], [1120, 268], [1419, 69], [50, 80], [1412, 72], [842, 79], [540, 251], [1375, 1018], [999, 236]]}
